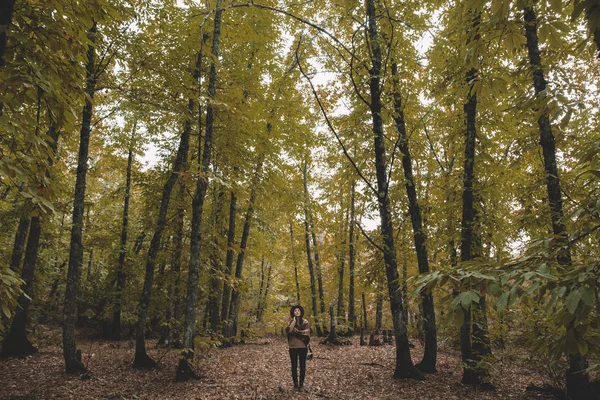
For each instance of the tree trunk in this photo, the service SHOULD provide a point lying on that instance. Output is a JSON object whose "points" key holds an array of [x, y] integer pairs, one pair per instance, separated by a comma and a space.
{"points": [[295, 265], [176, 260], [428, 364], [115, 333], [260, 287], [229, 258], [351, 261], [20, 240], [404, 367], [72, 357], [263, 299], [16, 342], [364, 307], [342, 266], [184, 369], [317, 257], [474, 339], [142, 360], [311, 269], [214, 297], [578, 382], [6, 12], [379, 312], [239, 267]]}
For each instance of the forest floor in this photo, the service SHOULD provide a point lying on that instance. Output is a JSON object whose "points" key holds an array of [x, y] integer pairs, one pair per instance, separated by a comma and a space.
{"points": [[258, 369]]}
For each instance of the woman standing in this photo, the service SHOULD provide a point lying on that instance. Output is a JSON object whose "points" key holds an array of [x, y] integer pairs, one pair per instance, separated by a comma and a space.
{"points": [[298, 335]]}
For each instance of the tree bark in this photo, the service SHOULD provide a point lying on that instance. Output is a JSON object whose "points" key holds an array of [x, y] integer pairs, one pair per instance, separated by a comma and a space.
{"points": [[229, 257], [20, 240], [404, 367], [379, 312], [578, 382], [316, 252], [184, 369], [6, 13], [16, 342], [351, 261], [73, 364], [115, 333], [141, 359], [311, 269], [428, 364], [342, 265], [295, 264], [239, 267], [214, 297]]}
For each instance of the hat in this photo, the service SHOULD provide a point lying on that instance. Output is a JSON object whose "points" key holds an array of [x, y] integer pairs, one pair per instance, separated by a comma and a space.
{"points": [[299, 307]]}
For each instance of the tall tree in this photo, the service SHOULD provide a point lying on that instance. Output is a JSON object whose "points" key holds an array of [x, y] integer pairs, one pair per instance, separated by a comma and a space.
{"points": [[229, 256], [428, 364], [16, 342], [141, 359], [311, 268], [184, 369], [404, 366], [578, 383], [473, 333], [120, 273], [72, 356]]}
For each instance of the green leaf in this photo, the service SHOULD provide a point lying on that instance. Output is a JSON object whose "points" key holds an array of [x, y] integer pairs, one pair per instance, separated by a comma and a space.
{"points": [[588, 296], [502, 301], [573, 301]]}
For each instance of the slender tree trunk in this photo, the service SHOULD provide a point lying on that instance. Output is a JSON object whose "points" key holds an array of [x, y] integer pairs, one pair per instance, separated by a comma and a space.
{"points": [[20, 240], [351, 261], [16, 342], [428, 364], [379, 312], [474, 339], [115, 333], [229, 258], [364, 309], [317, 257], [263, 298], [260, 287], [142, 360], [311, 269], [295, 265], [6, 13], [341, 268], [214, 297], [73, 364], [578, 382], [184, 369], [404, 367], [176, 260], [239, 267]]}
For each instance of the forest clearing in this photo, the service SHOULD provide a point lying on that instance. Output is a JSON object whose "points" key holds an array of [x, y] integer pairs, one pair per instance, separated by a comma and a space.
{"points": [[420, 177], [255, 370]]}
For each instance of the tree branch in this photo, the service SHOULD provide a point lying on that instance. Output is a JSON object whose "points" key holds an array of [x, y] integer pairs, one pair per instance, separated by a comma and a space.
{"points": [[328, 121], [368, 237]]}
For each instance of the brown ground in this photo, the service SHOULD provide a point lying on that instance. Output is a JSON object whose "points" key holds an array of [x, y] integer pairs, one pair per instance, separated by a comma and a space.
{"points": [[256, 370]]}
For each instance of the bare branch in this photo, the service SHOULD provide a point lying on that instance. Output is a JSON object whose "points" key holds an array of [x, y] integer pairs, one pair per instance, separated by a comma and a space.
{"points": [[368, 237]]}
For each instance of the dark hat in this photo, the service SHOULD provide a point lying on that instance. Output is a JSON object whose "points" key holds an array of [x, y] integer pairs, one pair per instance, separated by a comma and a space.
{"points": [[301, 311]]}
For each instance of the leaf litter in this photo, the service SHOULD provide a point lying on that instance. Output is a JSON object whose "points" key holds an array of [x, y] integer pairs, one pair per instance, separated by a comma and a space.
{"points": [[259, 369]]}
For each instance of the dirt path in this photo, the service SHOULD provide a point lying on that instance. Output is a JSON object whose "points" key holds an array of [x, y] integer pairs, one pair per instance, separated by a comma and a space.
{"points": [[257, 370]]}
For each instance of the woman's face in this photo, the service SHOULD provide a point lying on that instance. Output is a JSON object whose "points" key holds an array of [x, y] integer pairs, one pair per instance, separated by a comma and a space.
{"points": [[297, 312]]}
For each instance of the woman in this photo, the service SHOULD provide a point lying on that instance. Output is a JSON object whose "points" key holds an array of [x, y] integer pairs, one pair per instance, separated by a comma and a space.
{"points": [[298, 335]]}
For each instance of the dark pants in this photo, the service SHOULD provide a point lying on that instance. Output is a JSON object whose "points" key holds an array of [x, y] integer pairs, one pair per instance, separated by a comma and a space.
{"points": [[294, 355]]}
